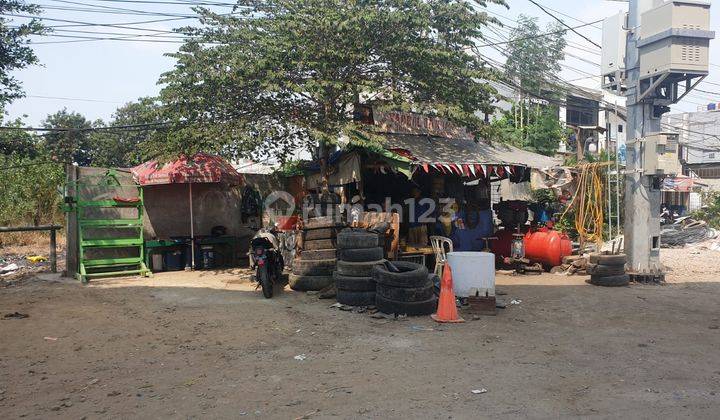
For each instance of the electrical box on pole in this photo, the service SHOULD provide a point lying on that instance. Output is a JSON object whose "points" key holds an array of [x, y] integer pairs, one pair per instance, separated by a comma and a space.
{"points": [[612, 60], [673, 50], [660, 154]]}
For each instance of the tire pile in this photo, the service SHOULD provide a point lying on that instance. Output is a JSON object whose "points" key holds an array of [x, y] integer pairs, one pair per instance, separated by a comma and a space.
{"points": [[313, 268], [608, 270], [409, 291], [359, 251]]}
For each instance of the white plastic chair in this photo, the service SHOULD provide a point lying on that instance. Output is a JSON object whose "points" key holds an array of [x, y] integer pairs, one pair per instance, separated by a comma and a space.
{"points": [[441, 246]]}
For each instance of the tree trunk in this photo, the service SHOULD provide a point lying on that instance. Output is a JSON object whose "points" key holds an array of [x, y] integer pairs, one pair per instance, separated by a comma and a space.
{"points": [[522, 114], [579, 144], [323, 155]]}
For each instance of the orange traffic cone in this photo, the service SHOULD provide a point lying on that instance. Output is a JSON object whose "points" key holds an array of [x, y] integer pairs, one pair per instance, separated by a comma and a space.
{"points": [[447, 310]]}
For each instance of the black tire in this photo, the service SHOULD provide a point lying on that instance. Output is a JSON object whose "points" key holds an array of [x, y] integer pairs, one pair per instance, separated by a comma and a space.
{"points": [[356, 238], [407, 294], [317, 254], [309, 283], [355, 298], [605, 270], [319, 244], [357, 269], [361, 254], [603, 259], [313, 267], [321, 222], [610, 281], [410, 275], [354, 284], [265, 282], [389, 306], [322, 233]]}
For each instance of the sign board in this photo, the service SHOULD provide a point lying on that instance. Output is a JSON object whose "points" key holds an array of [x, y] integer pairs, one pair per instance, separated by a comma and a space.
{"points": [[417, 124]]}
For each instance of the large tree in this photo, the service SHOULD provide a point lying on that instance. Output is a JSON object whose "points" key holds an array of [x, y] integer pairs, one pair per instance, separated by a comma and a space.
{"points": [[119, 144], [282, 74], [533, 57], [15, 54], [68, 137]]}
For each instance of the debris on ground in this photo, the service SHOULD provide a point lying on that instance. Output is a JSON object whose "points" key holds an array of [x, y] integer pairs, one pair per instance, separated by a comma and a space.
{"points": [[688, 232], [571, 264], [300, 357], [328, 293], [9, 269], [36, 258], [479, 391], [16, 315]]}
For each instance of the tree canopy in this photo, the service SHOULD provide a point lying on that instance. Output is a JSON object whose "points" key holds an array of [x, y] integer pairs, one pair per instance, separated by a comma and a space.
{"points": [[283, 74], [118, 146], [534, 57], [69, 142], [15, 54]]}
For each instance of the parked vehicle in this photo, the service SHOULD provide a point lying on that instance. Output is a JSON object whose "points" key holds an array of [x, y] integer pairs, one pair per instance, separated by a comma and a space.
{"points": [[267, 260]]}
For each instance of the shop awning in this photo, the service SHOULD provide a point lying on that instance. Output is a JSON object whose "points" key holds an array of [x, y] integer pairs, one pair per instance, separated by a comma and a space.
{"points": [[681, 183], [463, 154], [200, 168]]}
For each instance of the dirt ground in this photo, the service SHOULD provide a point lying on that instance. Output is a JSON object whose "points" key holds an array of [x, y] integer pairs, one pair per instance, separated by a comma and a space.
{"points": [[206, 345]]}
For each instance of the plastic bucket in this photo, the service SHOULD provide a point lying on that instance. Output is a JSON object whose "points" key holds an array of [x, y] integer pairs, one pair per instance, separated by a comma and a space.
{"points": [[472, 270]]}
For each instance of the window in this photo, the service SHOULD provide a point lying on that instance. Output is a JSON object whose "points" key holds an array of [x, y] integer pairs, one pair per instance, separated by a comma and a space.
{"points": [[581, 111], [620, 128], [711, 155]]}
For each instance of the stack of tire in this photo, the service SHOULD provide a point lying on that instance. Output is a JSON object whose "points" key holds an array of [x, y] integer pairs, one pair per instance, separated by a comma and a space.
{"points": [[313, 267], [608, 270], [358, 252], [407, 291]]}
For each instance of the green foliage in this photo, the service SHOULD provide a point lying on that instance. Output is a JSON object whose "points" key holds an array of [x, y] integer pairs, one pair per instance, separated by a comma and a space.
{"points": [[71, 144], [121, 148], [284, 74], [710, 211], [15, 54], [17, 142], [29, 179], [545, 132], [544, 196], [541, 132], [532, 58]]}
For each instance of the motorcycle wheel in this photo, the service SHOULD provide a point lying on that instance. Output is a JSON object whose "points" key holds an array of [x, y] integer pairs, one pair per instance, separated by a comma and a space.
{"points": [[265, 282]]}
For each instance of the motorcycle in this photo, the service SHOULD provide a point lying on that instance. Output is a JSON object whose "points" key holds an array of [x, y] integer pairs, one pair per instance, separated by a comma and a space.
{"points": [[667, 216], [267, 260]]}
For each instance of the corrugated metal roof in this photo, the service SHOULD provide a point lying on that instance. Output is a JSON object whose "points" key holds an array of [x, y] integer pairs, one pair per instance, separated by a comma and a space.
{"points": [[460, 151]]}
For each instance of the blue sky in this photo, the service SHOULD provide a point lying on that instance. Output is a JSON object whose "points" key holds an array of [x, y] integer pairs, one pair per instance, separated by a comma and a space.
{"points": [[98, 76]]}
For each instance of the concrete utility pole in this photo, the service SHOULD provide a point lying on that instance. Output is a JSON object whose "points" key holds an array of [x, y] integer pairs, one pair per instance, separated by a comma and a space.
{"points": [[642, 201], [664, 53]]}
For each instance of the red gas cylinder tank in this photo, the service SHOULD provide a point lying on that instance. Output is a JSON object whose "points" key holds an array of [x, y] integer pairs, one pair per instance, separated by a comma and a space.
{"points": [[547, 246]]}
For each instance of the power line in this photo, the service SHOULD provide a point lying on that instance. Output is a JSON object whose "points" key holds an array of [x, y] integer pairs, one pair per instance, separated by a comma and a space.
{"points": [[72, 99], [532, 37], [168, 2], [26, 165], [577, 45], [117, 127], [562, 22]]}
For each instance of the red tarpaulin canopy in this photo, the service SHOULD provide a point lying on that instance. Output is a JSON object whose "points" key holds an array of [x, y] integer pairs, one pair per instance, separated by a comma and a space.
{"points": [[200, 168]]}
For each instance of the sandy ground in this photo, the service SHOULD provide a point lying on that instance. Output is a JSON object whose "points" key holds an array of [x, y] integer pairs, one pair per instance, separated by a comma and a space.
{"points": [[207, 345]]}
